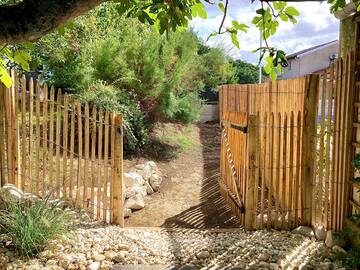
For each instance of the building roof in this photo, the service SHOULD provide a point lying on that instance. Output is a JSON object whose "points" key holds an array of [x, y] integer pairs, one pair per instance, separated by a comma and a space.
{"points": [[317, 47]]}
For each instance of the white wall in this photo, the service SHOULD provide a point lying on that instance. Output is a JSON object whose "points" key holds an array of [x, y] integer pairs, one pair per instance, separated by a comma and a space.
{"points": [[210, 113], [310, 62]]}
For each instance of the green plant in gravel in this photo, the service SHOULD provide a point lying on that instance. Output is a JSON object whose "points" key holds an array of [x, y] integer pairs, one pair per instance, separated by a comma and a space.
{"points": [[30, 225]]}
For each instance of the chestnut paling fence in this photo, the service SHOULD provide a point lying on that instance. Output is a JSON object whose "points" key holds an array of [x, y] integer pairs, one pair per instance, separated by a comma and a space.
{"points": [[51, 145], [286, 149]]}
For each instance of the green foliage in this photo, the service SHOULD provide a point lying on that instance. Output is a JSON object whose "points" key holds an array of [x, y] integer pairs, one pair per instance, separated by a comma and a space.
{"points": [[110, 98], [11, 56], [245, 73], [115, 62], [31, 225], [167, 16]]}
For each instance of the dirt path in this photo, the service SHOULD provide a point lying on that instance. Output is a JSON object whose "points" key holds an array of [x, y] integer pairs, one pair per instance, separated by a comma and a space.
{"points": [[189, 196]]}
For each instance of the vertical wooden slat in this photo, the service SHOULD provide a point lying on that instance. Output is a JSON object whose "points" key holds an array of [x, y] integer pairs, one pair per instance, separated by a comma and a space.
{"points": [[290, 179], [283, 184], [270, 170], [99, 163], [112, 145], [51, 140], [9, 131], [86, 154], [264, 169], [93, 149], [298, 168], [106, 165], [342, 132], [310, 111], [2, 134], [251, 166], [330, 134], [79, 199], [336, 142], [37, 138], [319, 202], [44, 139], [23, 132], [256, 168], [347, 148], [57, 143], [118, 197], [16, 127], [277, 164], [31, 109], [65, 145], [72, 146]]}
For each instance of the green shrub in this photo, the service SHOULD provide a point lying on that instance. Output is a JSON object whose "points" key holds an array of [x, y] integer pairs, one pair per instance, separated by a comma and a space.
{"points": [[108, 97], [31, 225]]}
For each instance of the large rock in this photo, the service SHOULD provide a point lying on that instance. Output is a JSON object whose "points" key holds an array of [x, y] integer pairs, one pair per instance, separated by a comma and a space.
{"points": [[147, 171], [320, 233], [304, 231], [332, 240], [137, 189], [149, 189], [133, 179], [10, 194], [155, 181], [136, 202]]}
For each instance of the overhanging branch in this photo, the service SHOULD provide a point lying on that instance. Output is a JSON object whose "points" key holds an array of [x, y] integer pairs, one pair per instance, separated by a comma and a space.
{"points": [[31, 19]]}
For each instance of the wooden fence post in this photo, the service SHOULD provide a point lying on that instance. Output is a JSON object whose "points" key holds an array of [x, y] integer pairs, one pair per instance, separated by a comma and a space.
{"points": [[309, 145], [2, 142], [252, 167], [117, 195]]}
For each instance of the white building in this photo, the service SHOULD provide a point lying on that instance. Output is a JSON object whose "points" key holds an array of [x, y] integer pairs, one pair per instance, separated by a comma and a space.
{"points": [[311, 60]]}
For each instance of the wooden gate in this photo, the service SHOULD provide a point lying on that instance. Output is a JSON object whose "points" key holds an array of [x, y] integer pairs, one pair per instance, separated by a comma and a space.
{"points": [[52, 145], [233, 165], [296, 160]]}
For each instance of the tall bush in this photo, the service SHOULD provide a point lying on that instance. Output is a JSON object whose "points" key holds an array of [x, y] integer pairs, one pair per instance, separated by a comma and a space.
{"points": [[160, 76]]}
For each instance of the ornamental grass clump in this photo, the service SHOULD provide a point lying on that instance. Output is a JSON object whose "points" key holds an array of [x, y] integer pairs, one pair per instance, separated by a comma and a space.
{"points": [[30, 225]]}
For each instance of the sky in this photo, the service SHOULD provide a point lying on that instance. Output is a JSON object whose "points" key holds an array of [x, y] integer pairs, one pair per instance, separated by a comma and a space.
{"points": [[315, 26]]}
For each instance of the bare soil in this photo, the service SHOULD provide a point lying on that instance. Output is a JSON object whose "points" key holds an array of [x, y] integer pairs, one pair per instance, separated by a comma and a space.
{"points": [[189, 196]]}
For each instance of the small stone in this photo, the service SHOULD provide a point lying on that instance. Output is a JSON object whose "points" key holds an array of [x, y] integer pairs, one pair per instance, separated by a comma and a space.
{"points": [[273, 266], [94, 266], [110, 255], [203, 255], [304, 231], [98, 257], [72, 266], [127, 212], [264, 264], [188, 267], [338, 249], [264, 257], [105, 265]]}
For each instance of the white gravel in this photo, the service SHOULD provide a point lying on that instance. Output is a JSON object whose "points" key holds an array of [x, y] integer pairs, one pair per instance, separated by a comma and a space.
{"points": [[103, 247]]}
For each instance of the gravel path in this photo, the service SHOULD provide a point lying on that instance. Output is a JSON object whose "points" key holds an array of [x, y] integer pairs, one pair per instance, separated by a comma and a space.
{"points": [[111, 247]]}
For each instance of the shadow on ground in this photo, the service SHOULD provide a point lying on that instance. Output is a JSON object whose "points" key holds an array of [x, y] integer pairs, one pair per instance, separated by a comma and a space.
{"points": [[211, 212]]}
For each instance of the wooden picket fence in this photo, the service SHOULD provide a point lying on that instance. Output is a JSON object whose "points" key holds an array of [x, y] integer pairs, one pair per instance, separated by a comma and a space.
{"points": [[296, 149], [52, 145]]}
